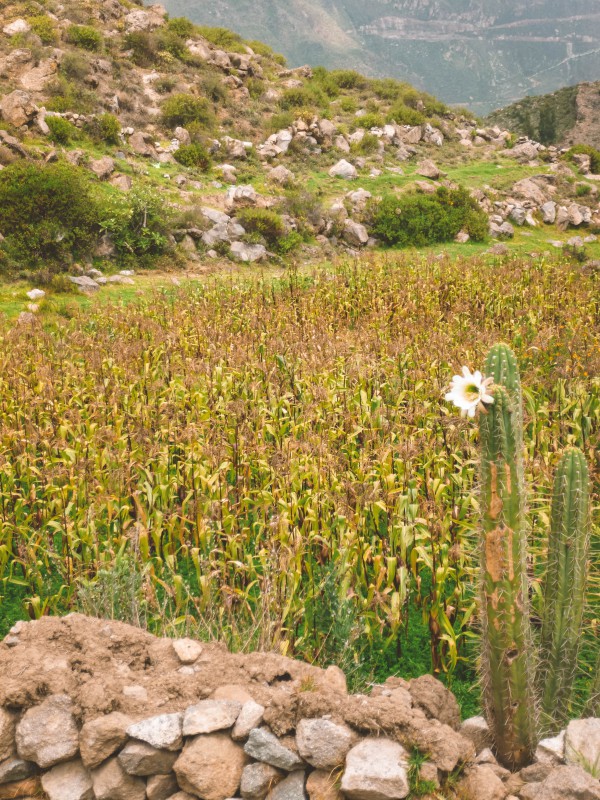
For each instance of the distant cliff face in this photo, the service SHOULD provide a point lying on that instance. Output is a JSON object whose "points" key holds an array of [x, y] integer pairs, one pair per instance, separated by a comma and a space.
{"points": [[480, 53]]}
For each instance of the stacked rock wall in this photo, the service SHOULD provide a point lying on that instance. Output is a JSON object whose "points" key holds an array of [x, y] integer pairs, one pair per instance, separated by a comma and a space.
{"points": [[97, 710]]}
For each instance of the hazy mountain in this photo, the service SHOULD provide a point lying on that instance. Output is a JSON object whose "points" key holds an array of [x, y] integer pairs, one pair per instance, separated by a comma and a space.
{"points": [[480, 53]]}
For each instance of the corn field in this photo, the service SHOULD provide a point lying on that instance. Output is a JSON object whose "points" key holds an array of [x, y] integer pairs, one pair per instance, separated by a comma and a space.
{"points": [[273, 458]]}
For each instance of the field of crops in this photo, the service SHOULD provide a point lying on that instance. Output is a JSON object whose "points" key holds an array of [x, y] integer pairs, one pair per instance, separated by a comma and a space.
{"points": [[272, 461]]}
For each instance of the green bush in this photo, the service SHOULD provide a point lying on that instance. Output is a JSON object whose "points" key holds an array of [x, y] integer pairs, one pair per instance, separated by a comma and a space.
{"points": [[368, 145], [104, 128], [144, 48], [45, 28], [583, 189], [215, 90], [417, 220], [136, 223], [371, 120], [222, 38], [386, 88], [264, 222], [587, 150], [182, 109], [84, 36], [171, 43], [280, 121], [193, 155], [181, 26], [349, 105], [61, 130], [348, 79], [299, 97], [402, 114], [46, 212], [70, 95], [74, 66]]}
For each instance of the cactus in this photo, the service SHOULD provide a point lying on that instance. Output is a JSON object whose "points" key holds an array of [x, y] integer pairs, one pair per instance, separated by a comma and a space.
{"points": [[564, 588], [592, 707], [507, 651]]}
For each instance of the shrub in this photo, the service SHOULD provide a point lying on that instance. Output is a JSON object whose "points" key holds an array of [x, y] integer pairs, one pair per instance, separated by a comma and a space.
{"points": [[181, 109], [181, 26], [222, 38], [45, 28], [370, 120], [144, 48], [587, 150], [46, 212], [386, 88], [299, 97], [404, 115], [417, 220], [264, 222], [165, 84], [70, 95], [74, 66], [349, 105], [368, 145], [348, 79], [214, 88], [104, 128], [193, 155], [61, 130], [84, 36], [169, 43], [136, 222]]}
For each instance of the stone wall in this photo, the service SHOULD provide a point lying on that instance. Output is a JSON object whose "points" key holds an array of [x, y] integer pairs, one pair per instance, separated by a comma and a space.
{"points": [[96, 709]]}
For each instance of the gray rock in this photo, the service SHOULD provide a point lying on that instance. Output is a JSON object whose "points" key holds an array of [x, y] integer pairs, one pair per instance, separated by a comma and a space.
{"points": [[551, 749], [248, 252], [162, 731], [141, 759], [355, 234], [322, 743], [428, 169], [549, 212], [15, 769], [211, 767], [214, 215], [290, 788], [376, 769], [265, 746], [281, 175], [343, 169], [47, 734], [18, 108], [70, 781], [18, 26], [258, 779], [563, 783], [111, 782], [518, 214], [84, 284], [103, 168], [582, 744], [209, 716], [249, 717]]}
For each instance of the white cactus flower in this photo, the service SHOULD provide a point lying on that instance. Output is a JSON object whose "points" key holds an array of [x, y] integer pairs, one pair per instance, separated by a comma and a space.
{"points": [[469, 391]]}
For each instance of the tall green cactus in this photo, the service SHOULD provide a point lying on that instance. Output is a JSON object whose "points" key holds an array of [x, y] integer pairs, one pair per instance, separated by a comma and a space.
{"points": [[564, 588], [507, 652], [592, 708]]}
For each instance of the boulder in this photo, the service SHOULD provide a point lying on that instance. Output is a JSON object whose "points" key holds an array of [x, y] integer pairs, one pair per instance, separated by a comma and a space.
{"points": [[517, 215], [242, 195], [182, 135], [258, 779], [102, 736], [84, 284], [430, 695], [111, 782], [17, 26], [161, 787], [141, 144], [265, 746], [18, 108], [103, 168], [211, 767], [139, 758], [563, 783], [355, 233], [70, 781], [248, 252], [323, 743], [142, 20], [249, 717], [343, 169], [528, 189], [376, 769], [482, 783], [462, 237], [122, 182], [290, 788], [582, 744], [209, 716], [187, 650], [222, 232], [37, 78], [342, 143], [502, 231], [214, 215], [47, 734], [428, 169], [162, 731], [281, 176]]}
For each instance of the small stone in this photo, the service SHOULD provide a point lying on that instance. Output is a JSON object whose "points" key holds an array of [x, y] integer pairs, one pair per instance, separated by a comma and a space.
{"points": [[187, 650], [258, 779], [582, 744], [15, 769], [265, 746], [161, 787], [36, 294], [140, 758], [563, 783], [102, 736], [552, 749], [376, 769], [428, 169], [70, 781], [211, 766], [163, 731], [47, 734], [84, 284], [343, 169], [111, 782], [249, 717], [210, 715], [482, 784], [322, 743], [290, 788]]}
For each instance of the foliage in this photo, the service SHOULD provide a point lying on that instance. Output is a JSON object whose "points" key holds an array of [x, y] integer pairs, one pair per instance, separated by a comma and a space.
{"points": [[213, 87], [368, 145], [299, 97], [46, 212], [402, 114], [348, 79], [143, 46], [181, 26], [61, 130], [44, 27], [70, 95], [263, 221], [193, 155], [136, 223], [84, 36], [115, 593], [104, 128], [182, 109], [416, 219], [74, 66], [587, 150], [370, 120], [222, 38]]}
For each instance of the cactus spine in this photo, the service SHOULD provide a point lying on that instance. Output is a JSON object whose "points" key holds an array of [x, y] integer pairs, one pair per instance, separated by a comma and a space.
{"points": [[564, 588], [507, 652]]}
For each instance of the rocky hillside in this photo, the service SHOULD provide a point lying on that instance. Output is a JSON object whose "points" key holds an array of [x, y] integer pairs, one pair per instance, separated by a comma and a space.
{"points": [[478, 53], [177, 144], [567, 117]]}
